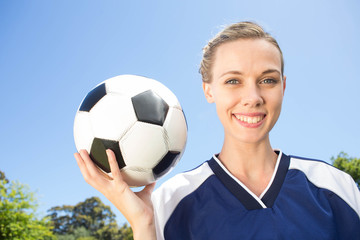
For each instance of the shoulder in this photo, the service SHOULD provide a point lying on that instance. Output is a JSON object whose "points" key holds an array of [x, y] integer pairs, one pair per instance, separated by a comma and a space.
{"points": [[326, 176], [179, 186], [166, 198], [184, 183], [320, 172]]}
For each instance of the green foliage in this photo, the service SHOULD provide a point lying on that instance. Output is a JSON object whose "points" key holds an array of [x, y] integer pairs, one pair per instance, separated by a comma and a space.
{"points": [[80, 233], [126, 232], [2, 176], [65, 237], [94, 216], [348, 164], [87, 220], [17, 213], [61, 218]]}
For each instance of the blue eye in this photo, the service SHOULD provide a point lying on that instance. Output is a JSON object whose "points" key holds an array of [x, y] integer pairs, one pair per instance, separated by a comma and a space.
{"points": [[232, 81], [269, 81]]}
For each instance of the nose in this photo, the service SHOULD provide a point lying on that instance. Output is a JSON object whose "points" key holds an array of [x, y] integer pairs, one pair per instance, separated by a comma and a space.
{"points": [[252, 96]]}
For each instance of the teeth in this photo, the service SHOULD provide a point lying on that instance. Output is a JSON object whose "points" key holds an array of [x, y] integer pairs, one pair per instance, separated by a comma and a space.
{"points": [[249, 119]]}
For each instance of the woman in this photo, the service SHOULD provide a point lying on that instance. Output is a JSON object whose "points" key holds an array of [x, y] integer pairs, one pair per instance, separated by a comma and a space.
{"points": [[248, 190]]}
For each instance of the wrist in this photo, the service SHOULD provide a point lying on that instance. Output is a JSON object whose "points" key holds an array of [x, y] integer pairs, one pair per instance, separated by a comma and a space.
{"points": [[145, 231]]}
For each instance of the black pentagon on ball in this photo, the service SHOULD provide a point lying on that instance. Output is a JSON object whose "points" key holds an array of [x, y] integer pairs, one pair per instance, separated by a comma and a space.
{"points": [[165, 164], [92, 98], [150, 107], [98, 153]]}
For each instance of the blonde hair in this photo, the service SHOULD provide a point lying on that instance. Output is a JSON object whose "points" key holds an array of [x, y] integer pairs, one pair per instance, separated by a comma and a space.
{"points": [[241, 30]]}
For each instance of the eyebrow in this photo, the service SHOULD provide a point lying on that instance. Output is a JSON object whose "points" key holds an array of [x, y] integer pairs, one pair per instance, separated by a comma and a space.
{"points": [[232, 72], [271, 71], [264, 72]]}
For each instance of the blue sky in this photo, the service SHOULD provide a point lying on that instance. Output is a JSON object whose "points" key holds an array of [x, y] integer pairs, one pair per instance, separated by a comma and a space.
{"points": [[53, 52]]}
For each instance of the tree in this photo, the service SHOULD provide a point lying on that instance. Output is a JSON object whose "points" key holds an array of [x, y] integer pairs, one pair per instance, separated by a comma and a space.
{"points": [[126, 232], [18, 213], [79, 234], [348, 164], [2, 176], [91, 215], [61, 218]]}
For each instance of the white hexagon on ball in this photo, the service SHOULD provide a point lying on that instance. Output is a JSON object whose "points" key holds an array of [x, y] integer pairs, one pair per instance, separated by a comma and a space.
{"points": [[176, 129], [143, 146], [112, 116], [83, 133], [135, 177]]}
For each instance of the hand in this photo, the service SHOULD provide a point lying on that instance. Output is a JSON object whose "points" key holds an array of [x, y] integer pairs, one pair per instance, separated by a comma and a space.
{"points": [[136, 207]]}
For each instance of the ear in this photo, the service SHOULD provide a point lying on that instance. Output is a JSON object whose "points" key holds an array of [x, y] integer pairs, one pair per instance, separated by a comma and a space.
{"points": [[208, 92], [284, 84]]}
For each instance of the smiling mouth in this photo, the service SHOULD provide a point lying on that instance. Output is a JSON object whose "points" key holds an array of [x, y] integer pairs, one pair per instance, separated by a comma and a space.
{"points": [[251, 120]]}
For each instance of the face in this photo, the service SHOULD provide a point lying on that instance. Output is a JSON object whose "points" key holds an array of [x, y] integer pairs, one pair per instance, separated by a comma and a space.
{"points": [[247, 88]]}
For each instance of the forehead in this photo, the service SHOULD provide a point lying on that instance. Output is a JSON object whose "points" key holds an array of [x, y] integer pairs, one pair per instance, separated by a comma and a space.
{"points": [[246, 55]]}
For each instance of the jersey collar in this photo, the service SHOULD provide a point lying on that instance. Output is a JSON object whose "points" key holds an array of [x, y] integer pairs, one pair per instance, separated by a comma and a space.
{"points": [[242, 193]]}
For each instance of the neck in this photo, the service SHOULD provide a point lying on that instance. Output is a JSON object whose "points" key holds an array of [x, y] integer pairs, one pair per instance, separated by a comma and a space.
{"points": [[251, 163]]}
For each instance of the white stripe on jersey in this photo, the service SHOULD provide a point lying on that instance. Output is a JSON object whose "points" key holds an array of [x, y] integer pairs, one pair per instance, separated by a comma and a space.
{"points": [[328, 177], [165, 202]]}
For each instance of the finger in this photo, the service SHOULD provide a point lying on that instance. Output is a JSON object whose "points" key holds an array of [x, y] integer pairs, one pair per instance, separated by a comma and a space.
{"points": [[114, 166], [93, 172], [81, 165], [90, 165], [83, 168]]}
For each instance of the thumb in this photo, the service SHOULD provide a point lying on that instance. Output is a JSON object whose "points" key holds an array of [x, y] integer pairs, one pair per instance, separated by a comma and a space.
{"points": [[145, 194], [149, 188]]}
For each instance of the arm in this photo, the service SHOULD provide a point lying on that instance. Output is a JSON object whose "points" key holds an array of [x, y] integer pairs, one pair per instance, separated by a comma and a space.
{"points": [[136, 207]]}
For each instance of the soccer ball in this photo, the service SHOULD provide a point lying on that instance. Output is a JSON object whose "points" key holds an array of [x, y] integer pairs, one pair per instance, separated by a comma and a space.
{"points": [[140, 120]]}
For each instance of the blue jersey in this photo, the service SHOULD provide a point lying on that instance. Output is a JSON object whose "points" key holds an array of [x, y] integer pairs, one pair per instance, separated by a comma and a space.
{"points": [[305, 199]]}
